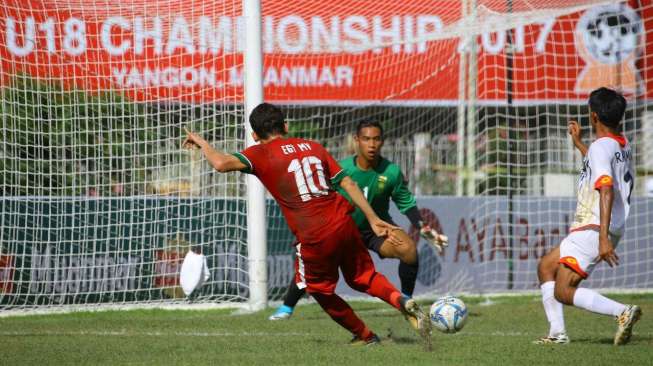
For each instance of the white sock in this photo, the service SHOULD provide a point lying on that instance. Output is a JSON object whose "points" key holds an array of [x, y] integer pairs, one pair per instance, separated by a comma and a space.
{"points": [[597, 303], [553, 309]]}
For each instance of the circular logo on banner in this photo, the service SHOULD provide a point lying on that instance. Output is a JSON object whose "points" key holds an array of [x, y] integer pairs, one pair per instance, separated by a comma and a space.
{"points": [[608, 39], [610, 33]]}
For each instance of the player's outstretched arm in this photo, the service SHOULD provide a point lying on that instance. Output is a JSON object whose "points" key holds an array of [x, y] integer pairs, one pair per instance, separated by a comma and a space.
{"points": [[606, 248], [380, 227], [437, 240], [574, 132], [220, 161], [405, 202]]}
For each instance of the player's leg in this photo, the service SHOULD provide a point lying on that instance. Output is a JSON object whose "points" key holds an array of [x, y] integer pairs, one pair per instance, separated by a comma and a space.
{"points": [[398, 245], [578, 257], [546, 273], [344, 315], [408, 277], [317, 270], [360, 274], [358, 268], [588, 299], [293, 294]]}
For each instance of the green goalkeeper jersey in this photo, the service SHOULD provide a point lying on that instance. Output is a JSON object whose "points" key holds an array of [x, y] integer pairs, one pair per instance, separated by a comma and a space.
{"points": [[379, 185]]}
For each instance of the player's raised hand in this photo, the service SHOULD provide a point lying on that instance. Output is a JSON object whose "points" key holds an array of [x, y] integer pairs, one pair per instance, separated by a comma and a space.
{"points": [[575, 133], [193, 140], [574, 130], [382, 228], [439, 241], [607, 253]]}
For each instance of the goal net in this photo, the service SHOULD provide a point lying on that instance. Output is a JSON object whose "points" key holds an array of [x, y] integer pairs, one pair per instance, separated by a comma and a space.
{"points": [[100, 204], [475, 98]]}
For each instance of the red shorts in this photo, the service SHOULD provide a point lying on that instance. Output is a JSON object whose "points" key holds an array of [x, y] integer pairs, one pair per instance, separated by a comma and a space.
{"points": [[316, 264]]}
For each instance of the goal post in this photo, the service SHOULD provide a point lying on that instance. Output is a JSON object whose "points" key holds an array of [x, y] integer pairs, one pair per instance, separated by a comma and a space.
{"points": [[256, 223]]}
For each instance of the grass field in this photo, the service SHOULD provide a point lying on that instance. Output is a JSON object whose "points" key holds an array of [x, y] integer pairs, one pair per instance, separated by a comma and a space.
{"points": [[497, 332]]}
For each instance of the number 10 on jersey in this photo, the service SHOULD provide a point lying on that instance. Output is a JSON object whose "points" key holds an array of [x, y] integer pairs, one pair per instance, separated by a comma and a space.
{"points": [[303, 172]]}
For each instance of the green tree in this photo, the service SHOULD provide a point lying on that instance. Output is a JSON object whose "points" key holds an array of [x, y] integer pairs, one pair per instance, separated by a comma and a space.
{"points": [[58, 141]]}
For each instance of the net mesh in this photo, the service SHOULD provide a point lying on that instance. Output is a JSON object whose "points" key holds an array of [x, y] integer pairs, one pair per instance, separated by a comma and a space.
{"points": [[99, 203]]}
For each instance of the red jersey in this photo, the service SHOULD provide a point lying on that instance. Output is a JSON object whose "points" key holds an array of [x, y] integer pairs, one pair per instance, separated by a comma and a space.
{"points": [[300, 175]]}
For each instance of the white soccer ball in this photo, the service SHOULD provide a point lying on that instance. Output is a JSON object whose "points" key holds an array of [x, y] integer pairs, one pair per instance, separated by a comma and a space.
{"points": [[448, 314]]}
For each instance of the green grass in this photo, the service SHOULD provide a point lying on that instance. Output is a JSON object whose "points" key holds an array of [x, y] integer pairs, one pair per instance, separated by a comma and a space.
{"points": [[496, 333]]}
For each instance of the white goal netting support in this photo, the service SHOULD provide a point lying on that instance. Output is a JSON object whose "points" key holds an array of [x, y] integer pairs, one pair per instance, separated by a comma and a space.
{"points": [[99, 203]]}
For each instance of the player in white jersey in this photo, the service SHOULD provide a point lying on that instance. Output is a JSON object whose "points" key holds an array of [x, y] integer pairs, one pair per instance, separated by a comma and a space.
{"points": [[606, 182]]}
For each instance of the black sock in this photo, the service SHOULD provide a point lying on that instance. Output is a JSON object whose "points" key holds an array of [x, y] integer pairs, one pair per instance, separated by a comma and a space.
{"points": [[293, 294], [407, 276]]}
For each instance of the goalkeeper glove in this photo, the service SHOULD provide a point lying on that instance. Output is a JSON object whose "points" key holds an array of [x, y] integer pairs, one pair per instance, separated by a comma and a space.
{"points": [[439, 241]]}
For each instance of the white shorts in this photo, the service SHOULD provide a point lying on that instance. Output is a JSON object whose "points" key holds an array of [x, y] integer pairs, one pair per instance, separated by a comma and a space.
{"points": [[580, 251]]}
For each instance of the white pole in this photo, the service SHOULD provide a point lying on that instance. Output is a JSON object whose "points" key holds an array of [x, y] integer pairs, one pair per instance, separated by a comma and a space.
{"points": [[471, 108], [460, 144], [256, 225]]}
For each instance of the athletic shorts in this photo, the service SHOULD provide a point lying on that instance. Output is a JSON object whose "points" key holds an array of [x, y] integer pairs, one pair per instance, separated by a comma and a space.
{"points": [[580, 251], [317, 264], [372, 241]]}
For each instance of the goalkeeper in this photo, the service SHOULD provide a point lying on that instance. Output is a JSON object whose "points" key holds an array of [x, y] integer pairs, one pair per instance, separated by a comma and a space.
{"points": [[380, 180]]}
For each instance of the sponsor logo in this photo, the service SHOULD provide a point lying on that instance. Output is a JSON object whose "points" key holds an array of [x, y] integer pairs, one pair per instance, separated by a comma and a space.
{"points": [[56, 272], [609, 39], [381, 182]]}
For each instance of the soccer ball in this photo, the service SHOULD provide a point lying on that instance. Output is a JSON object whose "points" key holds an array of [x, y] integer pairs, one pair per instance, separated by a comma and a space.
{"points": [[448, 314]]}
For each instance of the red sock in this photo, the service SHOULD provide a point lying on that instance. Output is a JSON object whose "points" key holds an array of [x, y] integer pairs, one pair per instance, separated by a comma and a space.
{"points": [[343, 314], [382, 288]]}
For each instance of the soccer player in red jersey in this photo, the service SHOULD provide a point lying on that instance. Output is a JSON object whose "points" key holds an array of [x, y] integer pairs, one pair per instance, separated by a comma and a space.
{"points": [[300, 175]]}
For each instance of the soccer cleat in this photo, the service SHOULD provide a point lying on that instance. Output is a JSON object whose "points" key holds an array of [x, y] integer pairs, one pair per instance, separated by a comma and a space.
{"points": [[556, 339], [417, 319], [625, 321], [283, 313], [372, 340]]}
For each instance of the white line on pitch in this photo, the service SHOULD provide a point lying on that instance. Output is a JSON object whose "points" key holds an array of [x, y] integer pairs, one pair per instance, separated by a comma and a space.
{"points": [[156, 334], [241, 334]]}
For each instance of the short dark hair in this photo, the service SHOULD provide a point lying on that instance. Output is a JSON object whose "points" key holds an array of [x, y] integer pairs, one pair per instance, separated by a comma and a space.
{"points": [[368, 123], [267, 119], [609, 105]]}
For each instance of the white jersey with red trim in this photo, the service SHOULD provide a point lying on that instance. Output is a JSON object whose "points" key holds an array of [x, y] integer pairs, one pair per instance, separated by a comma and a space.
{"points": [[608, 162]]}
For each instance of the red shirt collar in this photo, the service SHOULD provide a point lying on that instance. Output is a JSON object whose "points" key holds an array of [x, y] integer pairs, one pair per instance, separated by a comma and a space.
{"points": [[619, 138]]}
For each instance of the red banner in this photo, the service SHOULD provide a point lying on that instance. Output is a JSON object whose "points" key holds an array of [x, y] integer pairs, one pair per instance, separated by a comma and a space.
{"points": [[321, 52]]}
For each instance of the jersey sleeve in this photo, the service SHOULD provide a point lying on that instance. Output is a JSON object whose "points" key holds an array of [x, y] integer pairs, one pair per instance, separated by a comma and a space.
{"points": [[600, 163], [251, 157], [402, 196], [336, 173]]}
